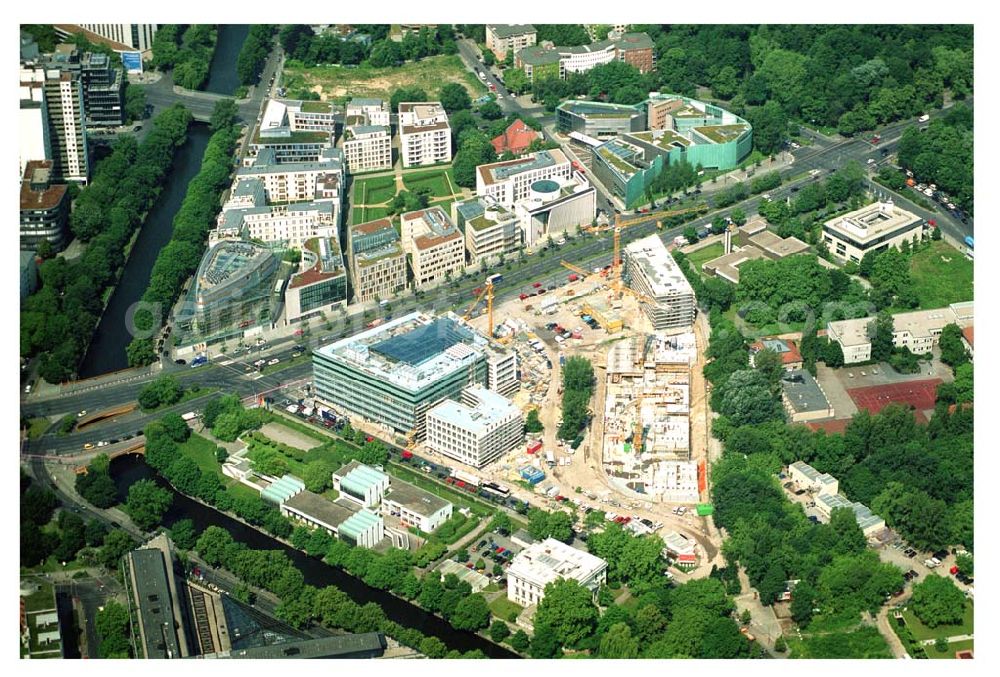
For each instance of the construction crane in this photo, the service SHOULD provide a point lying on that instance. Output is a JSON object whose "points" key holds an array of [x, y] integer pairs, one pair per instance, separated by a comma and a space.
{"points": [[486, 293], [621, 225], [637, 435]]}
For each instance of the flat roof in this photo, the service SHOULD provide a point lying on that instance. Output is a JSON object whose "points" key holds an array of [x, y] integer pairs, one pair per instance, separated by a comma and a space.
{"points": [[328, 262], [434, 227], [722, 133], [778, 246], [598, 109], [490, 409], [36, 191], [537, 55], [618, 154], [727, 265], [549, 560], [872, 221], [330, 160], [918, 323], [224, 263], [411, 364], [510, 30], [501, 171], [658, 267], [803, 392], [320, 509], [667, 139], [323, 647], [156, 613], [812, 474], [414, 498]]}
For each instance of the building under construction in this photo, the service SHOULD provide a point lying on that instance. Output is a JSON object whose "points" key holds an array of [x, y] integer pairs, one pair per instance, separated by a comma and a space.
{"points": [[647, 427]]}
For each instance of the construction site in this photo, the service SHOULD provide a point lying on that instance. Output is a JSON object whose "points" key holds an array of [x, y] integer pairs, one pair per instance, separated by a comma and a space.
{"points": [[646, 444]]}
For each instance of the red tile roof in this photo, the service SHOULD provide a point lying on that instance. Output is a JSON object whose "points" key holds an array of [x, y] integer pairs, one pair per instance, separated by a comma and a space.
{"points": [[515, 139], [967, 333]]}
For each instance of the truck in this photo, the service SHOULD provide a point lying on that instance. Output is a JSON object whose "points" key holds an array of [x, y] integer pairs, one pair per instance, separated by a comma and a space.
{"points": [[550, 458], [468, 478]]}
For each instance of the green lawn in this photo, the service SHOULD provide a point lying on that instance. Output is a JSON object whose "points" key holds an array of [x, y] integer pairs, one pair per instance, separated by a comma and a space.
{"points": [[37, 427], [921, 632], [932, 651], [341, 83], [375, 190], [503, 607], [42, 599], [712, 251], [941, 275], [238, 489], [202, 451], [437, 182], [364, 215], [862, 642]]}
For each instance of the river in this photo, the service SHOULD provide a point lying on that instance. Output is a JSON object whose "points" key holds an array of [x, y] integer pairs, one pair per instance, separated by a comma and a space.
{"points": [[107, 350], [222, 74], [128, 469]]}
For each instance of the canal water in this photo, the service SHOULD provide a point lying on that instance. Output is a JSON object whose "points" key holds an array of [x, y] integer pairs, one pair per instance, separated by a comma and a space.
{"points": [[129, 469], [222, 77], [107, 350]]}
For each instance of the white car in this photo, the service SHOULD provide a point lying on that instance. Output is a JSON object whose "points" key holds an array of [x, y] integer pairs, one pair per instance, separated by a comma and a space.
{"points": [[82, 414], [924, 118], [767, 197], [102, 444], [273, 361], [871, 160]]}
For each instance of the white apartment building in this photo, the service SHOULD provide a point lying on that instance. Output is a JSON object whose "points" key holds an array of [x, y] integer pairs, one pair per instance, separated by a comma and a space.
{"points": [[652, 271], [416, 507], [435, 245], [137, 36], [290, 224], [874, 227], [584, 57], [367, 148], [424, 134], [919, 330], [378, 262], [295, 181], [509, 181], [546, 562], [374, 111], [491, 231], [502, 38], [478, 430], [60, 95]]}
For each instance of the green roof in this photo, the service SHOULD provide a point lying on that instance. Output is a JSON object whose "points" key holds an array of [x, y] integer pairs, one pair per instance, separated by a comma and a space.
{"points": [[536, 55], [317, 107], [294, 137], [664, 140], [722, 133]]}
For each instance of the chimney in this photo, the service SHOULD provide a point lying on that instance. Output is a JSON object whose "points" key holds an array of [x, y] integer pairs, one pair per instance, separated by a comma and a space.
{"points": [[727, 241]]}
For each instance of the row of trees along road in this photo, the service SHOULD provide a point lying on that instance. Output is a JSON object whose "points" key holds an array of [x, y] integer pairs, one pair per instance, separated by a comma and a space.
{"points": [[58, 320]]}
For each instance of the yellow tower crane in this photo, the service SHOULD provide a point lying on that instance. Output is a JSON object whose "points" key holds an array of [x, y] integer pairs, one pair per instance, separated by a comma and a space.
{"points": [[486, 293]]}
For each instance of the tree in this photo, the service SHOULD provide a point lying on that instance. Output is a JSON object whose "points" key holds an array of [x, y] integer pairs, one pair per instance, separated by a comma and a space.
{"points": [[406, 94], [880, 332], [96, 533], [618, 642], [433, 647], [318, 476], [544, 643], [560, 526], [515, 80], [165, 390], [769, 363], [953, 352], [519, 641], [224, 115], [568, 610], [183, 534], [38, 505], [747, 398], [454, 97], [115, 546], [135, 103], [97, 488], [965, 564], [938, 601], [386, 53], [72, 536], [472, 613], [175, 427], [532, 424], [112, 624], [147, 503]]}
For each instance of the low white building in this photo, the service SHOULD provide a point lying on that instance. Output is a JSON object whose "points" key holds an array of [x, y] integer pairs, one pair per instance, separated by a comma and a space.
{"points": [[918, 330], [341, 518], [555, 206], [478, 430], [416, 507], [868, 522], [811, 479], [424, 134], [361, 483], [375, 111], [548, 561], [874, 227]]}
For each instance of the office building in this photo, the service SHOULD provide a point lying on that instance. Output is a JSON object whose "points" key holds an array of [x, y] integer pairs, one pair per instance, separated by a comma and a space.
{"points": [[919, 330], [424, 134], [138, 37], [377, 259], [548, 561], [415, 507], [32, 133], [756, 243], [436, 247], [652, 271], [321, 283], [296, 181], [62, 94], [361, 484], [491, 231], [509, 181], [874, 227], [351, 646], [599, 120], [103, 90], [233, 289], [547, 60], [285, 225], [476, 431], [44, 209], [394, 373], [297, 131], [503, 38], [516, 139], [554, 206], [159, 603]]}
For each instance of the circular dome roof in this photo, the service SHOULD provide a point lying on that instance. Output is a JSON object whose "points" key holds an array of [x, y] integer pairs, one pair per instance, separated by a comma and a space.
{"points": [[545, 186]]}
